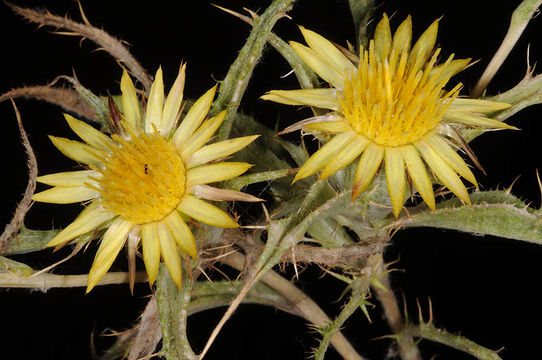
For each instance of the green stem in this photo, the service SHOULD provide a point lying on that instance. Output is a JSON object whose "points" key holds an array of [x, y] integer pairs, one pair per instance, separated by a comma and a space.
{"points": [[430, 332], [520, 18], [407, 347], [173, 309], [234, 85], [360, 291]]}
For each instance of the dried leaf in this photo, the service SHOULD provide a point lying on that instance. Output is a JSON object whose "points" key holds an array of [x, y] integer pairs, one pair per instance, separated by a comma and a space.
{"points": [[149, 332], [105, 41], [13, 227]]}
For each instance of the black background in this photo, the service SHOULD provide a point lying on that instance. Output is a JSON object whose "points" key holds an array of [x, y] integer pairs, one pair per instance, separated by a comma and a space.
{"points": [[484, 287]]}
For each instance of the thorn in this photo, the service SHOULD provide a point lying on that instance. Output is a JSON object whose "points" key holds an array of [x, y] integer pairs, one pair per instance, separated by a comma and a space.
{"points": [[539, 185], [83, 16], [509, 189], [430, 310], [266, 213], [420, 315]]}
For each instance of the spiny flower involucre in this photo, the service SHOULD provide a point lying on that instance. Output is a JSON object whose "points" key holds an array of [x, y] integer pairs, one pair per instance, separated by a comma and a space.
{"points": [[389, 106], [146, 181]]}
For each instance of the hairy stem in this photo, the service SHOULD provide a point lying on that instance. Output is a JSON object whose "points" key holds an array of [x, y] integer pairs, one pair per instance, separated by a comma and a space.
{"points": [[407, 348], [236, 81], [429, 332], [173, 309], [48, 281]]}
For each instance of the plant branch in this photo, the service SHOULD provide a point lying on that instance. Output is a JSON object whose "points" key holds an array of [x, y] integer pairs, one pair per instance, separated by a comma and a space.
{"points": [[48, 281], [520, 18], [305, 305], [173, 309], [234, 85], [430, 332], [407, 348]]}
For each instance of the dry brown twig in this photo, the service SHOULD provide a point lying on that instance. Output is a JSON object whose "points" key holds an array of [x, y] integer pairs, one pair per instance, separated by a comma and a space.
{"points": [[12, 228], [67, 99], [105, 41]]}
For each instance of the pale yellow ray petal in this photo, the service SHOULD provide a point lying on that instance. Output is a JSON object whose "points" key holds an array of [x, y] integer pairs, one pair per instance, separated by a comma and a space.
{"points": [[182, 234], [129, 101], [382, 38], [315, 119], [327, 152], [451, 157], [475, 120], [418, 174], [402, 37], [218, 150], [88, 134], [329, 126], [173, 101], [69, 178], [367, 168], [345, 157], [447, 70], [320, 65], [424, 46], [194, 117], [395, 177], [202, 135], [155, 105], [66, 195], [477, 106], [443, 171], [113, 240], [327, 50], [170, 254], [214, 194], [90, 218], [78, 151], [205, 212], [221, 171], [150, 245], [320, 98]]}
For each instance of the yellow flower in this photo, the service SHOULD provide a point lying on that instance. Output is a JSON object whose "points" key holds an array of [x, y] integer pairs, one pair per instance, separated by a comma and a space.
{"points": [[388, 106], [146, 181]]}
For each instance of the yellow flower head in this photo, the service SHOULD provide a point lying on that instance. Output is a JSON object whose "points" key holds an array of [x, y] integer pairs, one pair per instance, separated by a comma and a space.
{"points": [[388, 105], [146, 181]]}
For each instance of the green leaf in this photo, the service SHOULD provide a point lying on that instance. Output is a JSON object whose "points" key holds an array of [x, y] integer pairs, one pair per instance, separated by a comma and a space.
{"points": [[494, 213]]}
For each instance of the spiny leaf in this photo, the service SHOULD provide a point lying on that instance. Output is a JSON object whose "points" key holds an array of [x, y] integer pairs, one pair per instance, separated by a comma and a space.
{"points": [[495, 213]]}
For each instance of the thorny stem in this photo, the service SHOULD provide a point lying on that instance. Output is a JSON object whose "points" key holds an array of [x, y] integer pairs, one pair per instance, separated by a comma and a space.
{"points": [[305, 305], [48, 281], [360, 290], [239, 74], [173, 309], [407, 348], [429, 332], [520, 18]]}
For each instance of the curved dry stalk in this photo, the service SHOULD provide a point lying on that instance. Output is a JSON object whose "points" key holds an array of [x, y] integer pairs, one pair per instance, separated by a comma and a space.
{"points": [[12, 228], [305, 305], [67, 99], [105, 41]]}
